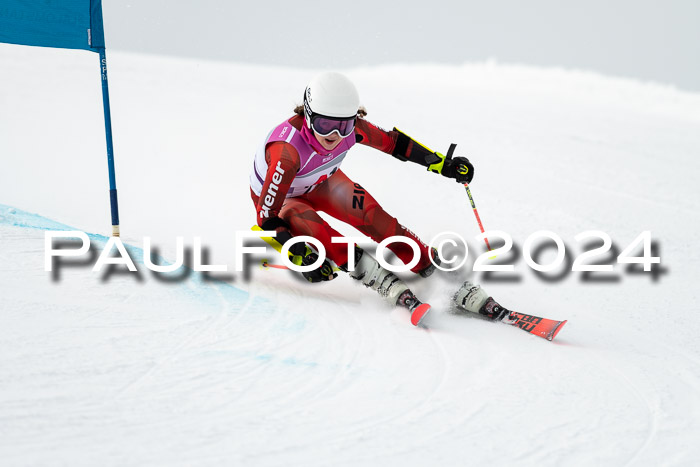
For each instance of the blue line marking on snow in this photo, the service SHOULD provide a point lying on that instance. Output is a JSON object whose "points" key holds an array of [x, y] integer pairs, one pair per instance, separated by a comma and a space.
{"points": [[23, 219], [18, 218], [207, 292], [296, 362]]}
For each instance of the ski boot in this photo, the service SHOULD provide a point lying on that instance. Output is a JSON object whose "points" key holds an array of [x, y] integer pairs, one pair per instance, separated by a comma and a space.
{"points": [[474, 299], [387, 285]]}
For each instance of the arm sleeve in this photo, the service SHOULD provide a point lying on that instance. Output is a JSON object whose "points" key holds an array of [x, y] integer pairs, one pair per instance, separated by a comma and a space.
{"points": [[371, 135], [396, 143], [282, 166]]}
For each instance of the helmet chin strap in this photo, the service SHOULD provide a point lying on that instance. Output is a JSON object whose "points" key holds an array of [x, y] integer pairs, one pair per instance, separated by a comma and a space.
{"points": [[307, 120]]}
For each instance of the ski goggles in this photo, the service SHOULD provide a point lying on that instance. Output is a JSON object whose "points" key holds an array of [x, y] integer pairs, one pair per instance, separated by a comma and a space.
{"points": [[324, 126]]}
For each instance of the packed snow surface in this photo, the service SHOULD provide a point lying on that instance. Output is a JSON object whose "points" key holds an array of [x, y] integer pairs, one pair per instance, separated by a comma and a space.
{"points": [[262, 369]]}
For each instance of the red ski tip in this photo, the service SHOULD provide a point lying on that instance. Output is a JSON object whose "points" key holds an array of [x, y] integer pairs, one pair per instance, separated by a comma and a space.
{"points": [[541, 327], [556, 330], [419, 313]]}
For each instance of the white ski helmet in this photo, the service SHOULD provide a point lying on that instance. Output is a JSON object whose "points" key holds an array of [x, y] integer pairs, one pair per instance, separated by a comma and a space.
{"points": [[331, 95]]}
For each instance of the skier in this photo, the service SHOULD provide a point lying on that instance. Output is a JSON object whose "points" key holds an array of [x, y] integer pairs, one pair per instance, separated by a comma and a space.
{"points": [[296, 173]]}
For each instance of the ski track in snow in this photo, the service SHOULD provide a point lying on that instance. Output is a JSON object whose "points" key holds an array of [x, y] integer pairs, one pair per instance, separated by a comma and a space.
{"points": [[352, 340], [272, 371]]}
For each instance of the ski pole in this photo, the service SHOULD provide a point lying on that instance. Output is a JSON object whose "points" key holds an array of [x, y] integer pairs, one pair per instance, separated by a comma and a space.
{"points": [[266, 264], [274, 244], [471, 198], [277, 246], [476, 214]]}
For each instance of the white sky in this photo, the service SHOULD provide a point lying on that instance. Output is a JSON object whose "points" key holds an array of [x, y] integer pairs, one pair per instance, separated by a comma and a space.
{"points": [[644, 39]]}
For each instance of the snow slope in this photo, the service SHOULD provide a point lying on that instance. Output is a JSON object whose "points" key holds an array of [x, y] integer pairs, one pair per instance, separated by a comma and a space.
{"points": [[127, 369]]}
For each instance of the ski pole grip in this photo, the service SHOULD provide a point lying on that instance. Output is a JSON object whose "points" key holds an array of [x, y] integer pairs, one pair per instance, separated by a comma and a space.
{"points": [[450, 151]]}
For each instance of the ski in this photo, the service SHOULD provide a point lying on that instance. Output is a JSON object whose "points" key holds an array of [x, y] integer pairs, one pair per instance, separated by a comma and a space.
{"points": [[419, 313], [541, 327], [473, 299]]}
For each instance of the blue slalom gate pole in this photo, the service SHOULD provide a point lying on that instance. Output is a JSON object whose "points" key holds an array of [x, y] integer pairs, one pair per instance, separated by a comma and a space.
{"points": [[110, 149], [63, 24]]}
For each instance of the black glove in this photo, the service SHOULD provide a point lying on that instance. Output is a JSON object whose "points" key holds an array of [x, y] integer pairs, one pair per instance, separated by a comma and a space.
{"points": [[320, 274], [302, 255], [458, 168]]}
